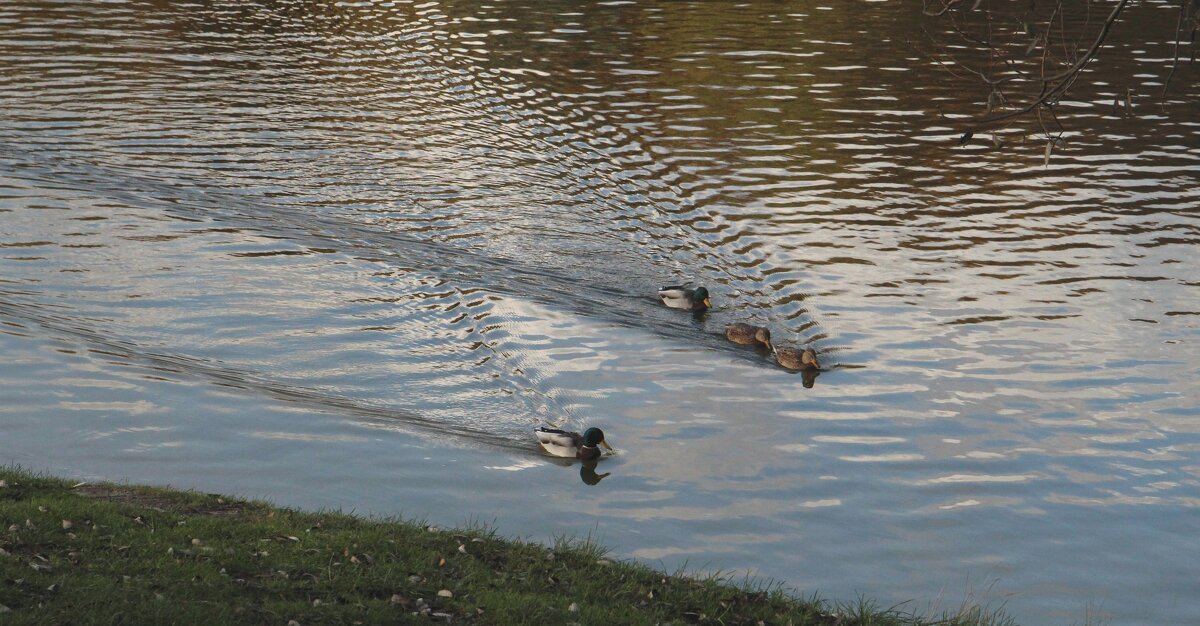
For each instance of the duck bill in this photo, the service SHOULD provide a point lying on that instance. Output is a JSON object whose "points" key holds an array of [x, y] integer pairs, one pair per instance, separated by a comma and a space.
{"points": [[707, 305], [606, 446]]}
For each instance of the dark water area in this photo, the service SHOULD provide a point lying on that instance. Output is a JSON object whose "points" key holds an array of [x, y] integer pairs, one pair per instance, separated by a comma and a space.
{"points": [[350, 254]]}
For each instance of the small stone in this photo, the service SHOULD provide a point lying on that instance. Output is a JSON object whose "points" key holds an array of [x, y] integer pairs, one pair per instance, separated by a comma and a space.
{"points": [[316, 602], [4, 609], [574, 608], [462, 549], [196, 541], [396, 599], [293, 622], [414, 579], [3, 484], [445, 593], [67, 524], [42, 509], [550, 556]]}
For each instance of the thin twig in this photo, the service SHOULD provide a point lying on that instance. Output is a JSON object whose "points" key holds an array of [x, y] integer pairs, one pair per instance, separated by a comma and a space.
{"points": [[1174, 64], [946, 6], [1068, 52]]}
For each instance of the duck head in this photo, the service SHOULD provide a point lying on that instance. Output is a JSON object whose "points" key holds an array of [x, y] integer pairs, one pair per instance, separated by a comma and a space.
{"points": [[593, 437]]}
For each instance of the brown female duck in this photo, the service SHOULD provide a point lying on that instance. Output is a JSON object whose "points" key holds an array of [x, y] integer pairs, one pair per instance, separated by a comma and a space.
{"points": [[797, 359], [748, 334]]}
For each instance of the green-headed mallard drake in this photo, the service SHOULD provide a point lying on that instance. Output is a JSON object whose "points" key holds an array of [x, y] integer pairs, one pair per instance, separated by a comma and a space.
{"points": [[797, 359], [747, 334], [679, 297], [567, 444]]}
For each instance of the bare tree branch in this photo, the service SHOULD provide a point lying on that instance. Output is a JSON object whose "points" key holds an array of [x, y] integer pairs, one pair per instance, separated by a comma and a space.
{"points": [[1055, 85]]}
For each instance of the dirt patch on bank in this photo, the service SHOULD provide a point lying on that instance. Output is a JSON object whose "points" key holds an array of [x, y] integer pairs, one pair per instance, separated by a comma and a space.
{"points": [[210, 505]]}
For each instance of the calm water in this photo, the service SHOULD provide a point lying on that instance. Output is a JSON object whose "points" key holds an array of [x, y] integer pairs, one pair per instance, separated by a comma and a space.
{"points": [[349, 255]]}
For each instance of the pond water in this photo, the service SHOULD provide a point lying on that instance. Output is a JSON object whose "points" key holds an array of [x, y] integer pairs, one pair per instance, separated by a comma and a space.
{"points": [[349, 255]]}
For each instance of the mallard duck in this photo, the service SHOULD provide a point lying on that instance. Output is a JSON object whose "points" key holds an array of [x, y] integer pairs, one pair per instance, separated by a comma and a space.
{"points": [[679, 297], [567, 444], [797, 359], [747, 334]]}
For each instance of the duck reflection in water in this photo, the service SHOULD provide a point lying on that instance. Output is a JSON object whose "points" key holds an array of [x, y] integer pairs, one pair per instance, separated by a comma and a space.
{"points": [[587, 473], [587, 469]]}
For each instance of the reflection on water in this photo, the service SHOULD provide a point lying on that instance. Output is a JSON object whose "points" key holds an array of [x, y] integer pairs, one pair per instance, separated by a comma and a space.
{"points": [[588, 470], [351, 255]]}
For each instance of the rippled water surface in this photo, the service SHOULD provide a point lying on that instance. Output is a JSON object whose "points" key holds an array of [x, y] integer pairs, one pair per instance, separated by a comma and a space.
{"points": [[348, 255]]}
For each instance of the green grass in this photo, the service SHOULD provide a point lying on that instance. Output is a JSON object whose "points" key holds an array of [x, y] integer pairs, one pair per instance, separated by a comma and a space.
{"points": [[113, 554]]}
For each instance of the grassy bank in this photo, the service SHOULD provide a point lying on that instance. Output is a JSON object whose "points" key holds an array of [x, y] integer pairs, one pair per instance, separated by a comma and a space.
{"points": [[102, 553]]}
